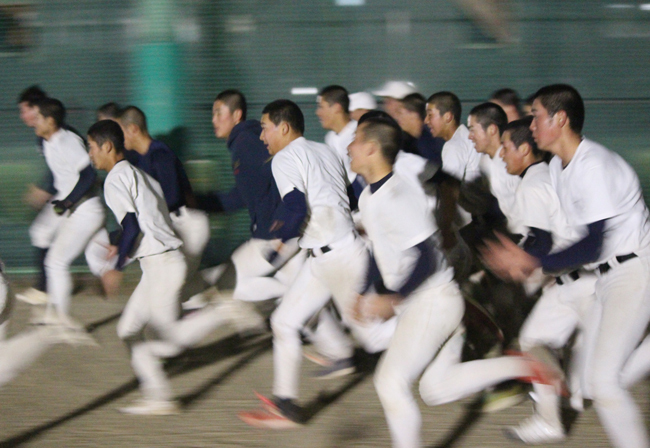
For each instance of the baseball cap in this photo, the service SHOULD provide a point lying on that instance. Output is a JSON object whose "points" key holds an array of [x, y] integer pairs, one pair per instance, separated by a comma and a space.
{"points": [[362, 100], [396, 89]]}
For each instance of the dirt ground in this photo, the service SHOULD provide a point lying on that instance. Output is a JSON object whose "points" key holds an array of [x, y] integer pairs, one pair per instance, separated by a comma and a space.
{"points": [[68, 398]]}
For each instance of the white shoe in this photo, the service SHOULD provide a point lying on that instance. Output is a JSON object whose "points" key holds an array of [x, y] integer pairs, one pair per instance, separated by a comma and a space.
{"points": [[33, 296], [243, 316], [152, 407], [61, 334], [535, 430], [200, 300]]}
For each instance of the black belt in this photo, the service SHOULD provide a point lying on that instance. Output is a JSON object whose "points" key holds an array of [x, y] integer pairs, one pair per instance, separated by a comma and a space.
{"points": [[323, 250], [603, 268], [573, 275]]}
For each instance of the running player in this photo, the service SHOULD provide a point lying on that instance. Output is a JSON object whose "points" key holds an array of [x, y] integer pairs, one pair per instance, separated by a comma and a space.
{"points": [[137, 201], [156, 159], [406, 261], [602, 199], [64, 227], [312, 182]]}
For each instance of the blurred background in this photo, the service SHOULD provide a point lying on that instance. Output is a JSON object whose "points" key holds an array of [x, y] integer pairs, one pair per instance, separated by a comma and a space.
{"points": [[171, 58]]}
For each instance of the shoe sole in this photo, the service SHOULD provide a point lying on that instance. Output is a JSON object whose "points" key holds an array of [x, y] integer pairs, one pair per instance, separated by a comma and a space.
{"points": [[262, 418], [161, 412], [503, 403], [29, 301], [317, 359]]}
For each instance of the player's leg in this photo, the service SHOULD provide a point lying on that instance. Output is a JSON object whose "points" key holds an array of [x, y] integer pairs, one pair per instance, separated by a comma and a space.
{"points": [[253, 270], [624, 292], [193, 228], [41, 233], [638, 366], [96, 254], [70, 241], [429, 317], [303, 300]]}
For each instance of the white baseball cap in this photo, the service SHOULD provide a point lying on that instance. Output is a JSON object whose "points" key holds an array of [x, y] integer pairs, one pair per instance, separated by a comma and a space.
{"points": [[362, 100], [396, 89]]}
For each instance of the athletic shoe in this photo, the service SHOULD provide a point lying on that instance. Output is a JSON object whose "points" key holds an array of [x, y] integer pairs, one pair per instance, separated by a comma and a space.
{"points": [[33, 296], [196, 302], [61, 334], [503, 397], [338, 368], [276, 413], [152, 407], [543, 372], [535, 430]]}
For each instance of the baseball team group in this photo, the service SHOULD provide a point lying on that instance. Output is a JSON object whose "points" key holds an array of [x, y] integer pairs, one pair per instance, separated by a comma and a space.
{"points": [[508, 256]]}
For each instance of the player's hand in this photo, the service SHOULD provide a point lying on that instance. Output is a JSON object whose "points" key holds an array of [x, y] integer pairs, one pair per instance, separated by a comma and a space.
{"points": [[111, 282], [60, 207], [36, 197], [378, 306], [111, 251], [507, 260]]}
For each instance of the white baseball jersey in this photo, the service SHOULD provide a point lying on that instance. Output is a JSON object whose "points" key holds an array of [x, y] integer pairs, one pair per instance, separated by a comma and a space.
{"points": [[598, 184], [340, 143], [502, 186], [411, 167], [66, 156], [317, 171], [537, 205], [396, 218], [459, 158], [129, 190]]}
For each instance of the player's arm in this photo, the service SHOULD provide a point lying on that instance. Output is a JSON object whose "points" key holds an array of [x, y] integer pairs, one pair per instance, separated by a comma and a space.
{"points": [[291, 215], [585, 251], [87, 178], [130, 232], [538, 242]]}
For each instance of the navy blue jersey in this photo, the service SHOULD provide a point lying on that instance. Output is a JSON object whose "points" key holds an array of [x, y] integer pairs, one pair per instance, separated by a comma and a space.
{"points": [[254, 188], [161, 163]]}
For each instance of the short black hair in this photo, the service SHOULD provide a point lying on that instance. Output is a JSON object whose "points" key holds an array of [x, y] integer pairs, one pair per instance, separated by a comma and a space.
{"points": [[415, 102], [107, 130], [520, 133], [557, 97], [509, 97], [446, 102], [487, 114], [51, 107], [336, 94], [287, 111], [375, 113], [111, 110], [386, 132], [235, 100], [133, 115], [31, 95]]}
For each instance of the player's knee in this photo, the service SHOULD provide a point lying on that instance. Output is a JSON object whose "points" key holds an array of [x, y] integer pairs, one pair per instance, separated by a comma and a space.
{"points": [[283, 326], [433, 393], [389, 384], [604, 386]]}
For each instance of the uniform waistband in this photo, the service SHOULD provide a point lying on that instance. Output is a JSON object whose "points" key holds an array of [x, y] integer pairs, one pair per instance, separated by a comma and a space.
{"points": [[619, 259], [318, 251]]}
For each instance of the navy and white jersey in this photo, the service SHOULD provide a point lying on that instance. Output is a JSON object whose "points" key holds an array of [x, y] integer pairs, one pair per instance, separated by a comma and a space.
{"points": [[129, 190], [599, 185]]}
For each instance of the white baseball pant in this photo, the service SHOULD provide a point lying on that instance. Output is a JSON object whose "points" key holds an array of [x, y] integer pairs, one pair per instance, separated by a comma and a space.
{"points": [[193, 228], [19, 352], [155, 302], [72, 235], [624, 293], [425, 321], [338, 274]]}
